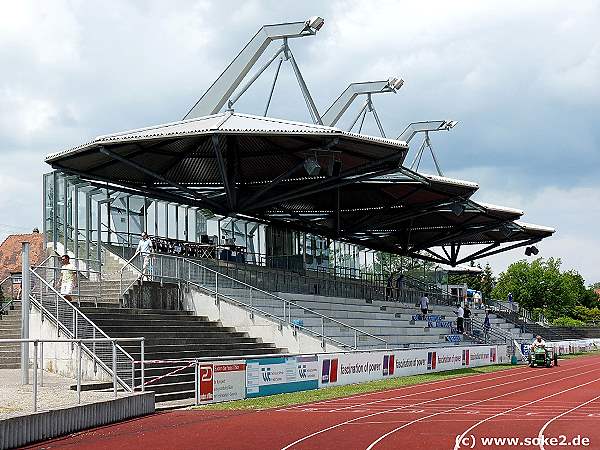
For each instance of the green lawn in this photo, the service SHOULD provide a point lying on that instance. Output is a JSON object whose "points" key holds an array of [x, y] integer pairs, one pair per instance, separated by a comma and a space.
{"points": [[299, 398]]}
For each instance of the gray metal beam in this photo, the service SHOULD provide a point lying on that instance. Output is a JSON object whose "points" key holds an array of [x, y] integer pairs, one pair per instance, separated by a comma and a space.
{"points": [[337, 109], [221, 90]]}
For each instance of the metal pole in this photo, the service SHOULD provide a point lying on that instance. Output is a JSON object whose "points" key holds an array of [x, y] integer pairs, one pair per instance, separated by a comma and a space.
{"points": [[25, 292], [35, 367], [42, 363], [196, 399], [114, 367], [79, 373], [216, 288], [142, 356]]}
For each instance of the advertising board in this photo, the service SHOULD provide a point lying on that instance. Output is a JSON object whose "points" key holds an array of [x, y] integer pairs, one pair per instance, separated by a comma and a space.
{"points": [[222, 381], [268, 376], [346, 368]]}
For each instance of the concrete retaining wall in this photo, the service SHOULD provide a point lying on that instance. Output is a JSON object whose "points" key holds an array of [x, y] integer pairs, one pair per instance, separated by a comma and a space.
{"points": [[232, 315], [61, 358], [22, 430]]}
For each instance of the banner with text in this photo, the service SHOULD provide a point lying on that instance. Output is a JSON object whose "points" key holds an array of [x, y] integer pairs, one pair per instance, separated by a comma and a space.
{"points": [[358, 367], [268, 376]]}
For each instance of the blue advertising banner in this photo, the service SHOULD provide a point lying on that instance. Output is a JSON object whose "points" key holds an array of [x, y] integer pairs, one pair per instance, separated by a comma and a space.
{"points": [[268, 376]]}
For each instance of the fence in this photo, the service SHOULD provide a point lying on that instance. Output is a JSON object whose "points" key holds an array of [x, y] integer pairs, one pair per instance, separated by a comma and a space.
{"points": [[181, 270], [71, 322], [237, 377], [81, 345]]}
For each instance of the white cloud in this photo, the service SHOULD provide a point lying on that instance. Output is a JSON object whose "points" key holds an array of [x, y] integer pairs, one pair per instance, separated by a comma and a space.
{"points": [[521, 77]]}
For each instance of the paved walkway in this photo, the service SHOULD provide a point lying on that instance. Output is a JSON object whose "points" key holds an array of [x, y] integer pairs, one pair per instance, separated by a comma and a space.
{"points": [[17, 400]]}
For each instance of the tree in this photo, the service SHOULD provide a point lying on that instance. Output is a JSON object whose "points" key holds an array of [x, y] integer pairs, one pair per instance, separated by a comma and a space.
{"points": [[541, 284], [487, 282]]}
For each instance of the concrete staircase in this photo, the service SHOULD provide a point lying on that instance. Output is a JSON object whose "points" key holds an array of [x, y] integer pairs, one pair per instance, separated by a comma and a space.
{"points": [[10, 328], [108, 290], [172, 335], [397, 323]]}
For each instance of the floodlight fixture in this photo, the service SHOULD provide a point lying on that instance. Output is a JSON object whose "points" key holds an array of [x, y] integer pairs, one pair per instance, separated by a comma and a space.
{"points": [[315, 22], [527, 251], [534, 250], [395, 83], [449, 124], [312, 166]]}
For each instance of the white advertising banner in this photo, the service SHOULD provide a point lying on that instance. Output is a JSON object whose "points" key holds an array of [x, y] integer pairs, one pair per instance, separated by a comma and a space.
{"points": [[345, 368]]}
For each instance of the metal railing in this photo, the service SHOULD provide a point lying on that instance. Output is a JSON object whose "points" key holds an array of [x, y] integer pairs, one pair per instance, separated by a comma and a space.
{"points": [[69, 320], [51, 271], [182, 270], [522, 313], [38, 360]]}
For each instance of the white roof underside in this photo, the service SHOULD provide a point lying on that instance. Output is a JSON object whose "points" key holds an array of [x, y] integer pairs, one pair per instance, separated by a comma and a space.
{"points": [[534, 227]]}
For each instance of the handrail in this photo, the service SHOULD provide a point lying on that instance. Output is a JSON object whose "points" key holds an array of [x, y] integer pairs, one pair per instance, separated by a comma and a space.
{"points": [[86, 319], [288, 302], [285, 302], [266, 314], [130, 264]]}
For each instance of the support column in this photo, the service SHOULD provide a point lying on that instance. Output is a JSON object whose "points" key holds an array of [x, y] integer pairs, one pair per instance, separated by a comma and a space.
{"points": [[25, 291]]}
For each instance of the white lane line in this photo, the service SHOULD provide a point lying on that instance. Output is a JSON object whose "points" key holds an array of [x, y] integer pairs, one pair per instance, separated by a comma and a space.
{"points": [[458, 439], [362, 405], [425, 402], [333, 400], [472, 427], [541, 433]]}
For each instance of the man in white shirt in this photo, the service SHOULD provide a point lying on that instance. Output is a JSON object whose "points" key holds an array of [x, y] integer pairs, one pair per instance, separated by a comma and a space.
{"points": [[145, 248], [538, 342], [424, 305], [68, 278], [460, 319]]}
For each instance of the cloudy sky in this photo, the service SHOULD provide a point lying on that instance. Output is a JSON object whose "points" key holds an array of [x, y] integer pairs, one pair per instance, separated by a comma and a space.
{"points": [[522, 78]]}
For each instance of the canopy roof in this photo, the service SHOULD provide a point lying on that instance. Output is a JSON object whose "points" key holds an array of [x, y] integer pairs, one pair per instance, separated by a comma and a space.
{"points": [[307, 177]]}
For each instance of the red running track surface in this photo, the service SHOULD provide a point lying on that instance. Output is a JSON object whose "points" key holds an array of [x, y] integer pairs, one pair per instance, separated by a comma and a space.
{"points": [[519, 403]]}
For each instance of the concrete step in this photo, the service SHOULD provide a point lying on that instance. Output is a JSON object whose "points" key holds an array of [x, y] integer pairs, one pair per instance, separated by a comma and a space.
{"points": [[216, 332], [112, 309], [178, 348]]}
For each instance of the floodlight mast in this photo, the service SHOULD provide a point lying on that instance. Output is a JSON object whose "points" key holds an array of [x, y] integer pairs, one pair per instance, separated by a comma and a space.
{"points": [[221, 90], [343, 102], [425, 127]]}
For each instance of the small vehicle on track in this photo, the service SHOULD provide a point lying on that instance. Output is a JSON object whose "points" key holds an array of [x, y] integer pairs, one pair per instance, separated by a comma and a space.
{"points": [[543, 357]]}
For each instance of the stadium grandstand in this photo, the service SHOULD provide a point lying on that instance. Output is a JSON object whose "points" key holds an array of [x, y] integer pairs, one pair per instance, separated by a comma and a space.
{"points": [[268, 235]]}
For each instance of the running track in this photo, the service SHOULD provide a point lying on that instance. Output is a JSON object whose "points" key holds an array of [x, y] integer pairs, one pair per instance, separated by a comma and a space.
{"points": [[519, 402]]}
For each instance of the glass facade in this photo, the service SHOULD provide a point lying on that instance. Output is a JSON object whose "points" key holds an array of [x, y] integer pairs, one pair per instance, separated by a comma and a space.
{"points": [[82, 218]]}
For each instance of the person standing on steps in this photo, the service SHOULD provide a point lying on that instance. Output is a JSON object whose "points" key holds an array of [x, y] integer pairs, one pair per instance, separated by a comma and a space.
{"points": [[467, 318], [145, 248], [68, 278], [424, 302], [399, 285], [486, 325], [460, 318], [389, 289]]}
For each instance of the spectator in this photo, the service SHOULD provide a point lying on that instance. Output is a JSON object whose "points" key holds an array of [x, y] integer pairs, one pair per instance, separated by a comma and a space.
{"points": [[145, 248], [510, 301], [460, 318], [399, 285], [389, 291], [68, 278], [486, 325], [424, 302], [467, 317]]}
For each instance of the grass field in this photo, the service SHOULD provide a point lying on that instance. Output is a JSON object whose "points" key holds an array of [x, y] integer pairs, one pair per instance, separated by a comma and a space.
{"points": [[299, 398]]}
